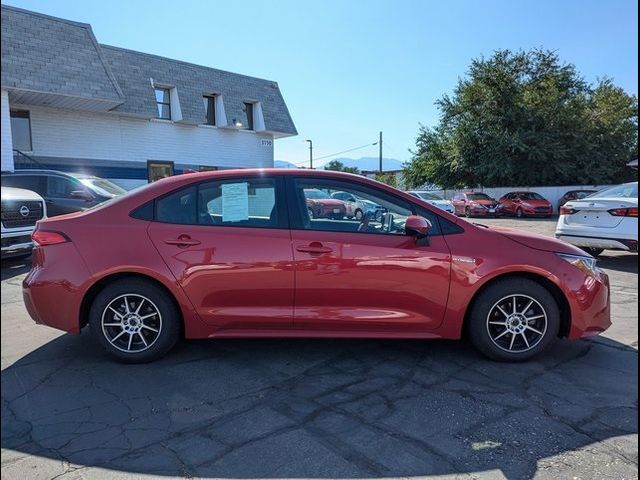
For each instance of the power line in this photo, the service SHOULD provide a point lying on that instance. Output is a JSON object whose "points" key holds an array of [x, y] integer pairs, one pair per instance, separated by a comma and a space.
{"points": [[339, 153]]}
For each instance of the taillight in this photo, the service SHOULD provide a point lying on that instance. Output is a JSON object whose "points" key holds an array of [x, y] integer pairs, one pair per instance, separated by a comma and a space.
{"points": [[43, 237], [568, 211], [624, 212]]}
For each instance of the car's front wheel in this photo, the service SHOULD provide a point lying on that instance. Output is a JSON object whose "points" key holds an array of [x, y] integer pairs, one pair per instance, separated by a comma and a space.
{"points": [[513, 320], [134, 321]]}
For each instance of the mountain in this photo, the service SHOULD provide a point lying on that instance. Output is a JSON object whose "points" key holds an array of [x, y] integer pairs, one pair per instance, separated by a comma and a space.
{"points": [[368, 164]]}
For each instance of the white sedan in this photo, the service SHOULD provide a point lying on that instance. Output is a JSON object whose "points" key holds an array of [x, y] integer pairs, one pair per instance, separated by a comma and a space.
{"points": [[607, 220], [434, 200]]}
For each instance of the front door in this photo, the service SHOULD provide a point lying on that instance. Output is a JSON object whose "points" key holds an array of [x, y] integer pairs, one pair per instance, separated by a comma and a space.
{"points": [[366, 275], [227, 243]]}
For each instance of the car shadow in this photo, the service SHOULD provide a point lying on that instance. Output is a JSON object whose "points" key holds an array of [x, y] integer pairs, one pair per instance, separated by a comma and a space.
{"points": [[622, 262], [320, 408], [12, 267]]}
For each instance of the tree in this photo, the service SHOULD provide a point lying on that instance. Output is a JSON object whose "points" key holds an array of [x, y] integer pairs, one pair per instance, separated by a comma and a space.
{"points": [[525, 119], [338, 166], [387, 178]]}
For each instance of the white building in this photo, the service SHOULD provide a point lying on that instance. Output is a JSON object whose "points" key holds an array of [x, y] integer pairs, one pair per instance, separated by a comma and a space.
{"points": [[71, 104]]}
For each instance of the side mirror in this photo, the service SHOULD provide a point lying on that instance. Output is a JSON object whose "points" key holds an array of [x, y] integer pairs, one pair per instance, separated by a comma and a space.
{"points": [[82, 195], [417, 226]]}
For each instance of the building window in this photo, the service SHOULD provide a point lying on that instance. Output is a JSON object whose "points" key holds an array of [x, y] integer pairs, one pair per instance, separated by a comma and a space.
{"points": [[210, 109], [21, 130], [248, 108], [163, 100], [157, 169]]}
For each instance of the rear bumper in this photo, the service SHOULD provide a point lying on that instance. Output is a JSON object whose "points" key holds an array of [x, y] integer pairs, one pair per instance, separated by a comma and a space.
{"points": [[629, 245], [52, 295]]}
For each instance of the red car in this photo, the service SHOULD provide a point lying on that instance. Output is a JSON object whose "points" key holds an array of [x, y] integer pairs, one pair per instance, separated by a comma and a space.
{"points": [[321, 205], [475, 204], [234, 253], [526, 204]]}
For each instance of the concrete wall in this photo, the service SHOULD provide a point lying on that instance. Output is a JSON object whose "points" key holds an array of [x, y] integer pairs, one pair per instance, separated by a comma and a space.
{"points": [[76, 134], [5, 133]]}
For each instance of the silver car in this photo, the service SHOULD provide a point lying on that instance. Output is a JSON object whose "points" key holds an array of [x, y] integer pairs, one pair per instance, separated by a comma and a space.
{"points": [[433, 199]]}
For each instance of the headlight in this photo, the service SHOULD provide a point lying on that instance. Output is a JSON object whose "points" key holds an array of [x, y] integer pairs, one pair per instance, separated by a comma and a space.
{"points": [[587, 265]]}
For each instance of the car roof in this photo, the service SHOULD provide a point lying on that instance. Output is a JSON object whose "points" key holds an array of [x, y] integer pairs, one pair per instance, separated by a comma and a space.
{"points": [[42, 171]]}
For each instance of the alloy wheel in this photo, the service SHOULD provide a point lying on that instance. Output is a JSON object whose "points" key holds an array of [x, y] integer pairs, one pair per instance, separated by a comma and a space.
{"points": [[131, 323], [517, 323]]}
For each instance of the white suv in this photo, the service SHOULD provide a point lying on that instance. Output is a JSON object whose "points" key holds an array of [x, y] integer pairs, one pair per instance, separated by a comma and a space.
{"points": [[21, 209]]}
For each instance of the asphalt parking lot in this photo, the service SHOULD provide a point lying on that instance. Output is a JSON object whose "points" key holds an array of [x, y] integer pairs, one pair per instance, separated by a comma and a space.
{"points": [[338, 408]]}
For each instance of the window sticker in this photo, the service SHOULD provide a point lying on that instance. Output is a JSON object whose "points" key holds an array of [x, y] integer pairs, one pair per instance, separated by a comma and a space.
{"points": [[235, 202]]}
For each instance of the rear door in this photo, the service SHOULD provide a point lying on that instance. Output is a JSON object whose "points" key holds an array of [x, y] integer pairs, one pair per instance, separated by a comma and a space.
{"points": [[228, 244]]}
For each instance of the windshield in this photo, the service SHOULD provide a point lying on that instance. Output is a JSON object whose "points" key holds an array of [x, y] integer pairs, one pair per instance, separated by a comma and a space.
{"points": [[478, 196], [428, 196], [315, 194], [530, 196], [102, 186], [628, 190]]}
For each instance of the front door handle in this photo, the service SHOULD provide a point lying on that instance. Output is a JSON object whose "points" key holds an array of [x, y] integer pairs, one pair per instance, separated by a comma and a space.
{"points": [[314, 248], [182, 241]]}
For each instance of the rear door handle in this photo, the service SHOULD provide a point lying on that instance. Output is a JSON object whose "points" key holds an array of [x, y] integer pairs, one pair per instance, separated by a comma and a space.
{"points": [[182, 241], [314, 248]]}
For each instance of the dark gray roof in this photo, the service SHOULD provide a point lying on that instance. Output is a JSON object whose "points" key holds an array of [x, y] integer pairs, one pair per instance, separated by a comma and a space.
{"points": [[51, 55], [136, 70], [52, 61]]}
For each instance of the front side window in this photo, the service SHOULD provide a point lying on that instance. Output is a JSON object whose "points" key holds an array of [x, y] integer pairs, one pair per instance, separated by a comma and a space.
{"points": [[163, 101], [374, 211], [210, 109], [21, 130], [61, 187]]}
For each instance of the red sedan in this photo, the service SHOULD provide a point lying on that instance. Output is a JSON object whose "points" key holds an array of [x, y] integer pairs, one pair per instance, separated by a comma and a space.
{"points": [[475, 204], [321, 204], [235, 253], [526, 204]]}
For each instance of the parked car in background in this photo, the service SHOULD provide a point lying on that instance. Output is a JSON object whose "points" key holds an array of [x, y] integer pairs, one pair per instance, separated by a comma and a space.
{"points": [[526, 204], [21, 209], [358, 207], [433, 199], [574, 195], [476, 204], [63, 192], [196, 256], [321, 205], [606, 220]]}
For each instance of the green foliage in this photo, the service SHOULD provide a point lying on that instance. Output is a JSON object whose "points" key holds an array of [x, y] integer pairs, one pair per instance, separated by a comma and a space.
{"points": [[338, 166], [525, 118], [388, 178]]}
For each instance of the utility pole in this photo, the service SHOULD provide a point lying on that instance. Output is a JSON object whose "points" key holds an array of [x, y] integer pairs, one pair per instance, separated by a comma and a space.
{"points": [[380, 155], [310, 154]]}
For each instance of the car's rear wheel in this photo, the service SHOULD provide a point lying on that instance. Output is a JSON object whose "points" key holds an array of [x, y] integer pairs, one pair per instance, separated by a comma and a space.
{"points": [[594, 252], [134, 321], [467, 212], [359, 214], [513, 320], [519, 213]]}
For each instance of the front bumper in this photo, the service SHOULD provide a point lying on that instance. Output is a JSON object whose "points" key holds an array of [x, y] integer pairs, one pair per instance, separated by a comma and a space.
{"points": [[589, 300], [16, 243]]}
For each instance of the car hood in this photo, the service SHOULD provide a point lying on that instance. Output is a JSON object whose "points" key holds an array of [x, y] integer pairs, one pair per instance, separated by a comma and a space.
{"points": [[538, 242], [330, 202], [439, 203], [486, 203], [536, 203], [20, 194]]}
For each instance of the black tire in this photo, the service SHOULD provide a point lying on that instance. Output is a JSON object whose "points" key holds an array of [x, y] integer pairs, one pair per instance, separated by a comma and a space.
{"points": [[359, 214], [594, 252], [310, 212], [467, 212], [519, 213], [166, 322], [492, 339]]}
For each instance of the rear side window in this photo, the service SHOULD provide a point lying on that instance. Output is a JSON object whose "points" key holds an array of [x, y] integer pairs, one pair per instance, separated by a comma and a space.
{"points": [[61, 187], [178, 207], [28, 182], [235, 203]]}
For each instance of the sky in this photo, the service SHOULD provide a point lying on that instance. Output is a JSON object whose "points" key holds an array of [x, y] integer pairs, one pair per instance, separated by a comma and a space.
{"points": [[349, 69]]}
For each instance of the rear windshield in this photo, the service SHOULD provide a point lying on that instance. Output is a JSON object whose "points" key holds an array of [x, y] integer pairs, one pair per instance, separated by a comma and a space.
{"points": [[315, 194], [428, 196], [628, 190], [478, 196]]}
